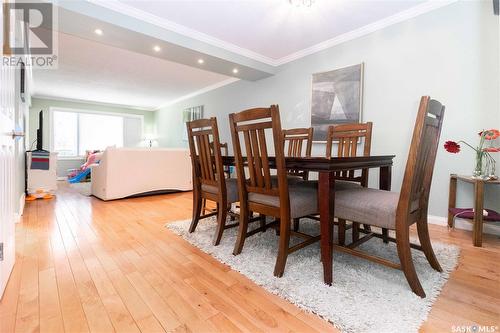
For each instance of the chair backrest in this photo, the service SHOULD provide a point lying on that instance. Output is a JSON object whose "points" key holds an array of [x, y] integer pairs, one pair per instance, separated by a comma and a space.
{"points": [[251, 125], [298, 143], [414, 197], [348, 136], [205, 149]]}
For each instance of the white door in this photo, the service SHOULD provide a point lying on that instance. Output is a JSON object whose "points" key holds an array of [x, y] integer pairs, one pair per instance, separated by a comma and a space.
{"points": [[7, 165]]}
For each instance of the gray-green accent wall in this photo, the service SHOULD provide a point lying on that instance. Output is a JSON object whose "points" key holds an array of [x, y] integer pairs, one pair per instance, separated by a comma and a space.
{"points": [[450, 54]]}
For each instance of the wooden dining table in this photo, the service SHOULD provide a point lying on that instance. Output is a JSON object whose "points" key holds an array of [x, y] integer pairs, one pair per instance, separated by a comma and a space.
{"points": [[327, 167]]}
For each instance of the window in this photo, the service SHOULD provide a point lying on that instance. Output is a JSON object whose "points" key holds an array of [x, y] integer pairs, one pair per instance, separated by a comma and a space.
{"points": [[74, 132]]}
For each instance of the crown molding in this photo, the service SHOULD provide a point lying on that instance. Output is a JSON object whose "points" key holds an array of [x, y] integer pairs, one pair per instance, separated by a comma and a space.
{"points": [[81, 101], [410, 13], [198, 92], [367, 29], [181, 29], [151, 109]]}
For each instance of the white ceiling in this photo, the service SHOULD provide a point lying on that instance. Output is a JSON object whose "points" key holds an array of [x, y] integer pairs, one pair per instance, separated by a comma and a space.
{"points": [[91, 71], [271, 28], [255, 36]]}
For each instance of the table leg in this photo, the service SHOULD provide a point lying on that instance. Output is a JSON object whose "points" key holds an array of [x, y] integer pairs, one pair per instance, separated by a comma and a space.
{"points": [[385, 178], [452, 200], [477, 232], [326, 200]]}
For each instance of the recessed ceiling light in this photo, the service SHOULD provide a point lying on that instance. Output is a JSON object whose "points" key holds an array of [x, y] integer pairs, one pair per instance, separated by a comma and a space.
{"points": [[98, 32], [156, 48], [201, 61], [235, 70]]}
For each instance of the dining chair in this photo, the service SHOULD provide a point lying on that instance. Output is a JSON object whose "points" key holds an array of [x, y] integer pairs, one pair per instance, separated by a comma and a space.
{"points": [[257, 191], [209, 181], [297, 143], [350, 138], [224, 152], [398, 211]]}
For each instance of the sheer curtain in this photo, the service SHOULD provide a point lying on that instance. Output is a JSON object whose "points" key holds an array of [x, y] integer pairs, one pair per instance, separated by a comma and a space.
{"points": [[75, 132]]}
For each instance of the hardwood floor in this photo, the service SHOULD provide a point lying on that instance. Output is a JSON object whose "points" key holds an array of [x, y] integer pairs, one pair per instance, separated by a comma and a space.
{"points": [[88, 265]]}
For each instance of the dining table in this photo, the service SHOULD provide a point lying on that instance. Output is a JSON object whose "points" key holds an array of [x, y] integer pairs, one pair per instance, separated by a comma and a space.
{"points": [[328, 169]]}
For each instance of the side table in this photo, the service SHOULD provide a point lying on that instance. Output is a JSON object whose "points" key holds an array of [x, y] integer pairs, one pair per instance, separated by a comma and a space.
{"points": [[476, 217]]}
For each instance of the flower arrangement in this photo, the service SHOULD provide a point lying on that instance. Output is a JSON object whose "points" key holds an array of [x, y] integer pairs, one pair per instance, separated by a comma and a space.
{"points": [[485, 163]]}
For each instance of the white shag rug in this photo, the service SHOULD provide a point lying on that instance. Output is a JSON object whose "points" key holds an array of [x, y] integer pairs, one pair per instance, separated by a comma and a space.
{"points": [[364, 297]]}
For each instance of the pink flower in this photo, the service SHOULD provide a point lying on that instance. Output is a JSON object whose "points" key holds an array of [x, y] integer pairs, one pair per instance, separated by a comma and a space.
{"points": [[490, 134]]}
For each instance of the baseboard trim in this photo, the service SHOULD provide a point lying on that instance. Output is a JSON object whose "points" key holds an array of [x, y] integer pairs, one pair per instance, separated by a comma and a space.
{"points": [[464, 225], [17, 216]]}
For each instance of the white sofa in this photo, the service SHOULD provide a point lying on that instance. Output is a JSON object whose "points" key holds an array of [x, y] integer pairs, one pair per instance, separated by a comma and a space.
{"points": [[125, 172]]}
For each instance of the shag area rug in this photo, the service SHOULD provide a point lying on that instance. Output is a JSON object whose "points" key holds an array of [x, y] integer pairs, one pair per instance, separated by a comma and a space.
{"points": [[364, 297]]}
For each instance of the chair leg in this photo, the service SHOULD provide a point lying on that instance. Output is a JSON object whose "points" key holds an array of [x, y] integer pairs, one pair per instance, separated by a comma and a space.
{"points": [[425, 242], [341, 233], [203, 205], [284, 243], [197, 204], [404, 253], [221, 222], [385, 234], [262, 221], [355, 231], [296, 224], [278, 228], [242, 231]]}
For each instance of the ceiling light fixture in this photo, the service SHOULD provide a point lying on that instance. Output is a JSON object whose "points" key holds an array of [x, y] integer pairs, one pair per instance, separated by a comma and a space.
{"points": [[98, 32], [301, 3], [201, 61], [156, 48], [235, 70]]}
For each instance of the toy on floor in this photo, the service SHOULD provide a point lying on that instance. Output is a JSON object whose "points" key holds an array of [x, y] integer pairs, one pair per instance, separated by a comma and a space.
{"points": [[81, 174], [39, 194], [79, 177]]}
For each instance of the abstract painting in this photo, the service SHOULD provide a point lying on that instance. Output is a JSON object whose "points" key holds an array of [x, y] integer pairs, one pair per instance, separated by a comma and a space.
{"points": [[336, 99]]}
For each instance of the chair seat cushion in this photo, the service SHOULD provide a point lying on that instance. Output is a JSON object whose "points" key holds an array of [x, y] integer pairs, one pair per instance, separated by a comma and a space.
{"points": [[303, 199], [231, 189], [367, 206]]}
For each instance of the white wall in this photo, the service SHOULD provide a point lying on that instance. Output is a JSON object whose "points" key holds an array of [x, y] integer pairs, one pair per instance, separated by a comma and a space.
{"points": [[450, 54]]}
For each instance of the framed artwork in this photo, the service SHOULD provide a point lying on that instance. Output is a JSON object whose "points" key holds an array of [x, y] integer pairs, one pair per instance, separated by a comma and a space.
{"points": [[336, 99], [190, 114]]}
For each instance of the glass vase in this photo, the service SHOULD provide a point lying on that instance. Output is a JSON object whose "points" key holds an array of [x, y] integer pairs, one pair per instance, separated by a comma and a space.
{"points": [[479, 170]]}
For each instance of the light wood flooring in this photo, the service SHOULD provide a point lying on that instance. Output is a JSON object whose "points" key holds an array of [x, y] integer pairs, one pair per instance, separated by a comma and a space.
{"points": [[87, 265]]}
